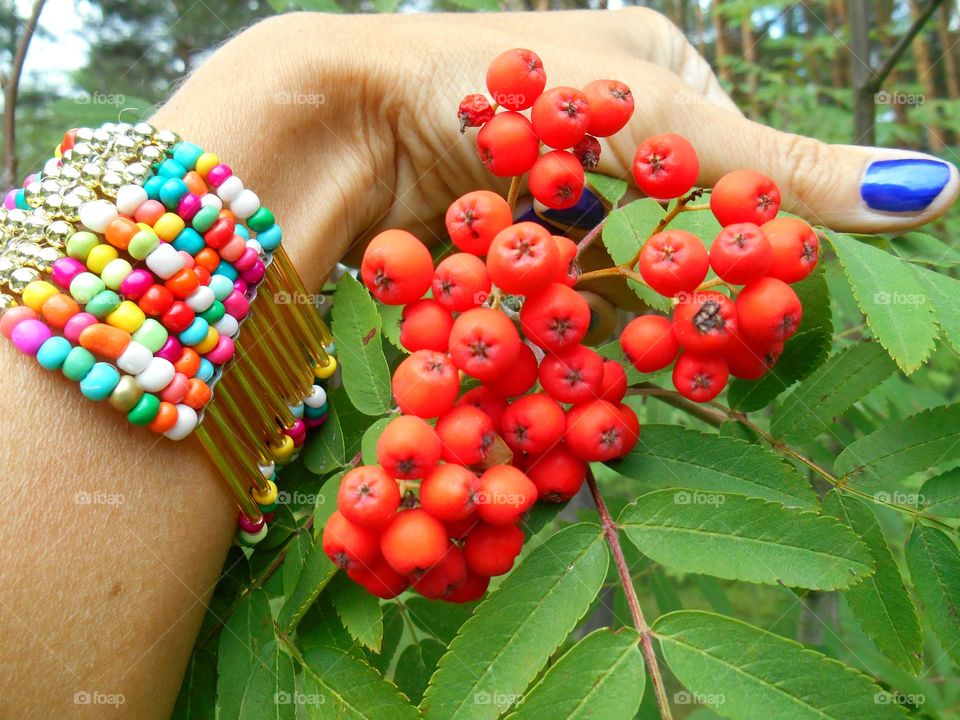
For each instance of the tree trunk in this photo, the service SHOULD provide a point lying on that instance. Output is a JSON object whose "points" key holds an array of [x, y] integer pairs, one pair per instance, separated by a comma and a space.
{"points": [[720, 42], [700, 30], [864, 109], [750, 55], [921, 56]]}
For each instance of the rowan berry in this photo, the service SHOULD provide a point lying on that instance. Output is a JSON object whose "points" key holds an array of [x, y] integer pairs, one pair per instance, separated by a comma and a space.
{"points": [[665, 166], [572, 376], [750, 360], [560, 117], [704, 322], [408, 448], [516, 78], [613, 384], [769, 311], [484, 343], [569, 268], [491, 549], [414, 542], [795, 247], [521, 377], [466, 434], [474, 111], [555, 318], [745, 196], [507, 145], [449, 492], [443, 578], [459, 529], [471, 589], [425, 325], [486, 400], [700, 377], [741, 253], [396, 267], [523, 259], [632, 422], [611, 106], [368, 497], [649, 343], [505, 495], [556, 179], [378, 578], [674, 261], [558, 474], [587, 151], [532, 423], [461, 282], [596, 431], [348, 544], [426, 383], [474, 220]]}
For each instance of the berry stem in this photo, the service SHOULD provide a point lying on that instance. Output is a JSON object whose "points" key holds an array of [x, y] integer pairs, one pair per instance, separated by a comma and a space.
{"points": [[514, 192], [589, 238], [694, 208], [612, 536], [715, 282], [666, 220], [615, 271]]}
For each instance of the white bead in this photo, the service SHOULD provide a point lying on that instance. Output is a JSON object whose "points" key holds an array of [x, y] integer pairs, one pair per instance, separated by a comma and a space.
{"points": [[186, 423], [211, 200], [51, 166], [129, 198], [256, 246], [97, 214], [165, 261], [245, 204], [268, 470], [135, 359], [200, 299], [230, 189], [316, 398], [118, 267], [157, 376], [227, 325]]}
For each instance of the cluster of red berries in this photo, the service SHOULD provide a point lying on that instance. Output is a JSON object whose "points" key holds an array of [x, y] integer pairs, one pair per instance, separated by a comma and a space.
{"points": [[710, 335], [565, 119]]}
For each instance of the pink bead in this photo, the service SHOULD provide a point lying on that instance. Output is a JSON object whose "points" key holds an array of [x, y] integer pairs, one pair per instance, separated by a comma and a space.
{"points": [[64, 270], [28, 335], [13, 316], [171, 350], [314, 423], [237, 305], [218, 174], [136, 283], [188, 261], [256, 273], [246, 260], [29, 179], [223, 351], [176, 390], [149, 211], [248, 525], [77, 324], [298, 429], [10, 200], [189, 206], [240, 285], [234, 249]]}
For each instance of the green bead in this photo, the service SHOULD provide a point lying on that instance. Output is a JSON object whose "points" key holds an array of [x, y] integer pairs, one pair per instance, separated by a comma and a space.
{"points": [[152, 334], [85, 286], [102, 304], [268, 508], [142, 244], [115, 273], [78, 363], [261, 220], [205, 218], [145, 410], [80, 244], [213, 313]]}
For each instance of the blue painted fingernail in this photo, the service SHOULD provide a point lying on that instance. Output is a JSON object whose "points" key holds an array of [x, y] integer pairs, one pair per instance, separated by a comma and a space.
{"points": [[908, 185]]}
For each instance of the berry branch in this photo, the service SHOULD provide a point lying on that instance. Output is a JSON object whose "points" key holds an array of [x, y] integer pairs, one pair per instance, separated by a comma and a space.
{"points": [[682, 203]]}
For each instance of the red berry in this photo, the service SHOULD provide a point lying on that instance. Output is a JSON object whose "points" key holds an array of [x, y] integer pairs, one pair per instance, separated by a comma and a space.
{"points": [[613, 384], [426, 383], [558, 474], [471, 589], [458, 529], [674, 261], [449, 493], [569, 268], [484, 343], [505, 495], [485, 399], [523, 259], [587, 151], [556, 318], [414, 542], [396, 268], [408, 448], [796, 248], [704, 322], [533, 423], [556, 179], [596, 431], [474, 111], [425, 325], [741, 253], [769, 311], [461, 282], [572, 376], [560, 117], [368, 496], [466, 434], [491, 549], [473, 220], [507, 145], [379, 579], [611, 105], [348, 544], [632, 422], [745, 196], [700, 378], [750, 360], [522, 375], [649, 343], [516, 78], [665, 166], [444, 577]]}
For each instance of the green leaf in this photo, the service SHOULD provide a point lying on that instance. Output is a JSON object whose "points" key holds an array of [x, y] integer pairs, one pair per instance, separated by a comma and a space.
{"points": [[609, 188], [892, 299], [830, 391], [442, 620], [741, 538], [356, 332], [297, 552], [940, 495], [317, 572], [270, 691], [513, 633], [880, 603], [935, 568], [602, 676], [751, 674], [358, 610], [915, 444], [325, 451], [624, 231], [393, 628], [368, 446], [491, 5], [943, 296], [198, 691], [248, 632], [701, 223], [672, 456], [416, 665], [919, 247], [390, 318]]}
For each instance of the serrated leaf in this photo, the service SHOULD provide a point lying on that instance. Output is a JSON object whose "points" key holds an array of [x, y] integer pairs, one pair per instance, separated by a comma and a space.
{"points": [[390, 319], [942, 293], [602, 676], [316, 573], [672, 456], [935, 569], [940, 495], [830, 391], [751, 674], [624, 231], [248, 632], [917, 443], [416, 665], [701, 223], [297, 552], [891, 298], [923, 248], [392, 633], [359, 611], [740, 538], [513, 633], [881, 602], [368, 445], [270, 691], [442, 620], [198, 691], [609, 188], [356, 332], [325, 451]]}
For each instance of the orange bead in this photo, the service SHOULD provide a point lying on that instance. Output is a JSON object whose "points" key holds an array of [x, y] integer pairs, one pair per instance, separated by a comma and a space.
{"points": [[166, 418], [234, 248], [188, 363], [183, 283], [198, 395], [59, 308], [208, 258], [203, 275], [105, 340], [226, 213], [195, 183], [119, 232]]}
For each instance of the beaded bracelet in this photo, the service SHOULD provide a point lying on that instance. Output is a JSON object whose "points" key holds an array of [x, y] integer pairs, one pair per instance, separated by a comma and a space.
{"points": [[130, 264]]}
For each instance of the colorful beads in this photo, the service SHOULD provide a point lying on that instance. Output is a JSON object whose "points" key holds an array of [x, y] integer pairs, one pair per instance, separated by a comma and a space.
{"points": [[100, 381]]}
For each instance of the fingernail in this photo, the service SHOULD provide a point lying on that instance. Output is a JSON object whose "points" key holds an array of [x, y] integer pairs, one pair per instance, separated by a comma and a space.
{"points": [[908, 185]]}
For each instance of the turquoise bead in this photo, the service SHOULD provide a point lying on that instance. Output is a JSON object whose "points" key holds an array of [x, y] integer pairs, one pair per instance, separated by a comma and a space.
{"points": [[171, 169], [21, 200], [213, 313], [206, 369], [227, 270], [153, 185], [187, 154], [190, 241], [53, 352], [270, 238], [196, 332], [205, 218], [151, 334], [100, 381], [221, 285], [242, 231], [313, 413], [78, 363], [171, 191], [102, 304]]}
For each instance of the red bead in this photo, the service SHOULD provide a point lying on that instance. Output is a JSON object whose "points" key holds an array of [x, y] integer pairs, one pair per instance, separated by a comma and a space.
{"points": [[156, 300], [178, 317], [220, 234], [183, 283]]}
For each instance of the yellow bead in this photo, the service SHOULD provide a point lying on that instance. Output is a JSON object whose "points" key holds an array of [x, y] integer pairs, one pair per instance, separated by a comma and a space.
{"points": [[35, 294], [206, 163], [284, 450], [99, 256], [128, 316], [168, 226], [208, 343], [145, 226], [325, 371], [268, 497]]}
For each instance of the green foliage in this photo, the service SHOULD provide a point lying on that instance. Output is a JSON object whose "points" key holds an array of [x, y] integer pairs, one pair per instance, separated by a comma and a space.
{"points": [[935, 568], [624, 232]]}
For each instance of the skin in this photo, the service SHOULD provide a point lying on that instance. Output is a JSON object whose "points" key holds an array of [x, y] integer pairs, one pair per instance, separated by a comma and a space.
{"points": [[108, 597]]}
